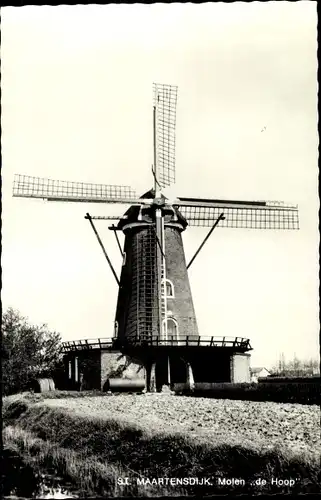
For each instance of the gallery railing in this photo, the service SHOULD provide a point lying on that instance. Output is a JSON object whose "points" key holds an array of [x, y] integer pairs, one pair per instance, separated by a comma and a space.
{"points": [[156, 341]]}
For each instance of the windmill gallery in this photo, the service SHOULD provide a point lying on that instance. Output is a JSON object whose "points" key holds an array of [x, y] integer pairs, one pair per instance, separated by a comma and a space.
{"points": [[156, 341]]}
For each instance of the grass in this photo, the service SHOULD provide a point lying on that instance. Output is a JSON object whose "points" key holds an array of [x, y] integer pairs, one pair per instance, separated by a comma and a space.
{"points": [[36, 397], [92, 453], [82, 471]]}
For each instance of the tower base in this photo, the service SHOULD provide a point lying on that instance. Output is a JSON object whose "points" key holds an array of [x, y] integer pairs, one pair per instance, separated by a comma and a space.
{"points": [[155, 366]]}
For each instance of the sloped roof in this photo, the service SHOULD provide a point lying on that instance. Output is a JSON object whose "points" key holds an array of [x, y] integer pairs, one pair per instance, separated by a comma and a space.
{"points": [[258, 369]]}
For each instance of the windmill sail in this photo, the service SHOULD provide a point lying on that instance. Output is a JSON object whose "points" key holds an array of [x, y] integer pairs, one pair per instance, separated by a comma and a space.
{"points": [[165, 99], [239, 214], [54, 190]]}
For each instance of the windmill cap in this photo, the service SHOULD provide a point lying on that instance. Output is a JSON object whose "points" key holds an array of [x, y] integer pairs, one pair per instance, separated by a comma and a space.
{"points": [[151, 195]]}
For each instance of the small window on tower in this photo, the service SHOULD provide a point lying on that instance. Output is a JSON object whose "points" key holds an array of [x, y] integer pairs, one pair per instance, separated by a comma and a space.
{"points": [[169, 289], [69, 369], [116, 328], [124, 258]]}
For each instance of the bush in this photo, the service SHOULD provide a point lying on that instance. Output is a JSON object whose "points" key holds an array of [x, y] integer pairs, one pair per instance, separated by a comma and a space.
{"points": [[28, 352]]}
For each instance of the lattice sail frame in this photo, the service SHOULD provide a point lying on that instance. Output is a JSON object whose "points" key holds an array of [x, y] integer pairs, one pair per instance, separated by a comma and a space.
{"points": [[273, 216], [143, 314], [56, 190], [165, 100]]}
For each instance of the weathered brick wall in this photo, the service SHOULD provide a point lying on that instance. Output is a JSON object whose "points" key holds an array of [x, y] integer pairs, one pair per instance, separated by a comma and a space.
{"points": [[117, 365], [137, 248], [240, 368], [126, 310], [182, 305]]}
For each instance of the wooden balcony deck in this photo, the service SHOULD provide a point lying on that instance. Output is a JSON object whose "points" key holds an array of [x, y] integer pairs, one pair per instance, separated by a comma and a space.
{"points": [[239, 343]]}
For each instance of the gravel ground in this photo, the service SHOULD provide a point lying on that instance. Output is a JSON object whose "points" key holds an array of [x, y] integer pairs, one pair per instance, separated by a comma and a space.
{"points": [[292, 427]]}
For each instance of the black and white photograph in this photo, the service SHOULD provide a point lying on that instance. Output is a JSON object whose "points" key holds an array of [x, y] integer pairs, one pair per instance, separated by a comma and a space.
{"points": [[160, 250]]}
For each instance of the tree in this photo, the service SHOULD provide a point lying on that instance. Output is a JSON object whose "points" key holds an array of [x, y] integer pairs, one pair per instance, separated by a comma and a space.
{"points": [[28, 352], [295, 367]]}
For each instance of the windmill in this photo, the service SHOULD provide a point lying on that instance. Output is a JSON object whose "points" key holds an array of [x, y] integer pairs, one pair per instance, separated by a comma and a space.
{"points": [[155, 311]]}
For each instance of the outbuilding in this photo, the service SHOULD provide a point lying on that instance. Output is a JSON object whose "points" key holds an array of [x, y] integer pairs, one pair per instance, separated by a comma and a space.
{"points": [[258, 372]]}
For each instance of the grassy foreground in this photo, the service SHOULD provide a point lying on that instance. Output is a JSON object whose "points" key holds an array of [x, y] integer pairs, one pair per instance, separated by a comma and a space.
{"points": [[95, 454]]}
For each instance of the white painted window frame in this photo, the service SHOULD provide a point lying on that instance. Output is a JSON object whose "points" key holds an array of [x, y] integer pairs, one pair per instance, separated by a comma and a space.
{"points": [[169, 282], [171, 318]]}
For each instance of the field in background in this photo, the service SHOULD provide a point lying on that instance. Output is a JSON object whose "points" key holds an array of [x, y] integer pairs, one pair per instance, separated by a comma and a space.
{"points": [[302, 390], [93, 441]]}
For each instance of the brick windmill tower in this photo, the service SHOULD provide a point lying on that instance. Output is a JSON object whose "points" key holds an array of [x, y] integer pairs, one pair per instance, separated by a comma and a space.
{"points": [[155, 322]]}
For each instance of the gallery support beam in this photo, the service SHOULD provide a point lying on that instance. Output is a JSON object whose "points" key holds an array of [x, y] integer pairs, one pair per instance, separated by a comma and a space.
{"points": [[87, 216], [221, 217]]}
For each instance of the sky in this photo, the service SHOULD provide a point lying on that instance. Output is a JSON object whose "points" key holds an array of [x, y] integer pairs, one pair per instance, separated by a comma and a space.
{"points": [[77, 105]]}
